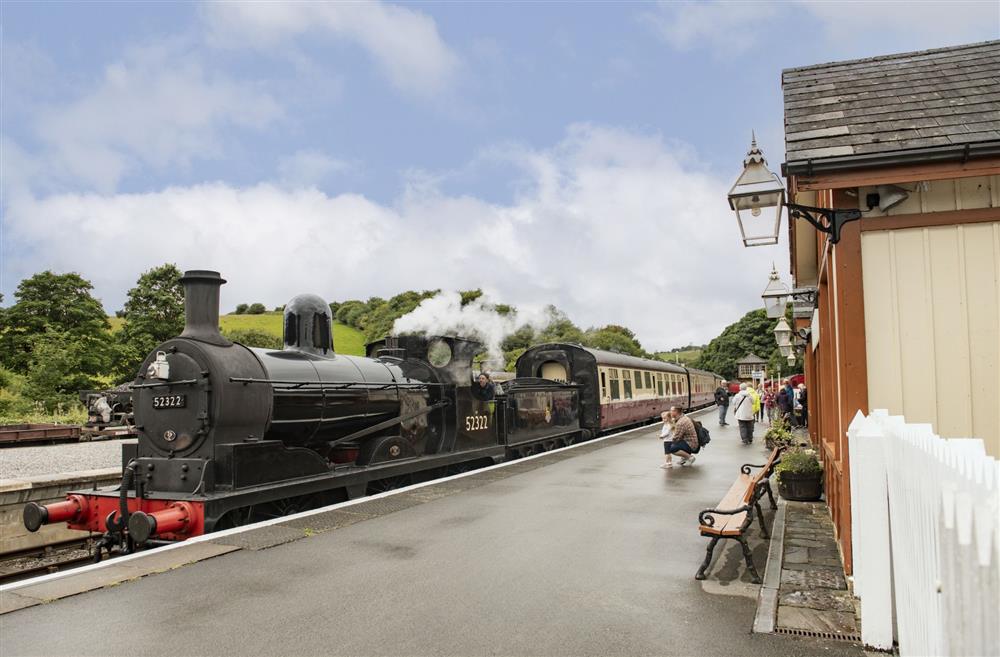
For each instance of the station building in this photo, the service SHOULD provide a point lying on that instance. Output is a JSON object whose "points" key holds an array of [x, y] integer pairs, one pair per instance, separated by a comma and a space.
{"points": [[907, 304], [750, 367]]}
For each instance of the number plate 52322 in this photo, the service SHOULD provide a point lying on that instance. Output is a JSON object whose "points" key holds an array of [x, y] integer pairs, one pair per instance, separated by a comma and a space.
{"points": [[170, 401], [477, 422]]}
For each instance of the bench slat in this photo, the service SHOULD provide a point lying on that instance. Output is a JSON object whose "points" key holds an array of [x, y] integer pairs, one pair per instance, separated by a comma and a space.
{"points": [[728, 525]]}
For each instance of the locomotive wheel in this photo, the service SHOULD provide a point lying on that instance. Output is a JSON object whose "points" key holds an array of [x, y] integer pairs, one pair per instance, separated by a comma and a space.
{"points": [[387, 484], [234, 518]]}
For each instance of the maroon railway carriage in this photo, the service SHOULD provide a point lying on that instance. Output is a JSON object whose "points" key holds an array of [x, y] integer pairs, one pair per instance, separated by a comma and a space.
{"points": [[618, 390]]}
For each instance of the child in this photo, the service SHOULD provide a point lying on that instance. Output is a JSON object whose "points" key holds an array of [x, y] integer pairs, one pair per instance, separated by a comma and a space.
{"points": [[667, 436]]}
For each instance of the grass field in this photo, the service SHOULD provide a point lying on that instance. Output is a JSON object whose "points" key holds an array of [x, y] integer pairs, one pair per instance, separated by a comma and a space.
{"points": [[685, 357], [346, 339]]}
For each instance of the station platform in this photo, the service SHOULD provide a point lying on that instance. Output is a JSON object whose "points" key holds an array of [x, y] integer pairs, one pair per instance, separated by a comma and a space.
{"points": [[588, 550]]}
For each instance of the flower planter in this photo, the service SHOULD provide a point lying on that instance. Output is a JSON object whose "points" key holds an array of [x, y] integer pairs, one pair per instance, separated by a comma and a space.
{"points": [[801, 487]]}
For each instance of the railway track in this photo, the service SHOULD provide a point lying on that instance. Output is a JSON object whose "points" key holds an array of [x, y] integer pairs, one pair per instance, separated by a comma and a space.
{"points": [[24, 564]]}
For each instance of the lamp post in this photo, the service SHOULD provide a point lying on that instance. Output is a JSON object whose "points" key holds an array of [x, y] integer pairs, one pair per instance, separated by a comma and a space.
{"points": [[758, 189]]}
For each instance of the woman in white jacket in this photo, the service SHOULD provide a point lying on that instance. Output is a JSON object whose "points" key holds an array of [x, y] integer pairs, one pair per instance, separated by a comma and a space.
{"points": [[742, 405]]}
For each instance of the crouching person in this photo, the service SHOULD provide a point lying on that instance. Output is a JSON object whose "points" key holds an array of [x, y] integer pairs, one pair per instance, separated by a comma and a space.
{"points": [[684, 440]]}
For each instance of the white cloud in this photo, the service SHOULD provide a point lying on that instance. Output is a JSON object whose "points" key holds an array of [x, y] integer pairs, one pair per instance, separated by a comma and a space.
{"points": [[732, 27], [726, 26], [158, 107], [610, 226], [309, 168], [935, 23], [404, 42]]}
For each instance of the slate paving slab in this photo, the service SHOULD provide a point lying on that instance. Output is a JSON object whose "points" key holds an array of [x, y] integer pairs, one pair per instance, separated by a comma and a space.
{"points": [[814, 578], [802, 542], [798, 555], [818, 599]]}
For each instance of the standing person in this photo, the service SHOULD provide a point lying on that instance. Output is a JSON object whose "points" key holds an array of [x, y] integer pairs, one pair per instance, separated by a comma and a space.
{"points": [[771, 401], [742, 404], [722, 401], [756, 400], [685, 438], [784, 405], [790, 410], [804, 403]]}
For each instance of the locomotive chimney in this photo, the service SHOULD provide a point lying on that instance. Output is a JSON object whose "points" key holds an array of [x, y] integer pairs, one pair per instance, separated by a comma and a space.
{"points": [[201, 306]]}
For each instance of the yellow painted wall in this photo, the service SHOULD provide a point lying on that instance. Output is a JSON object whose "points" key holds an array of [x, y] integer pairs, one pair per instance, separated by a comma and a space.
{"points": [[932, 324], [940, 196]]}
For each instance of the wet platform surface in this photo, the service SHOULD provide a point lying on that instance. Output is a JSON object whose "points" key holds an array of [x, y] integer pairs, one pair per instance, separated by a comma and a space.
{"points": [[587, 551]]}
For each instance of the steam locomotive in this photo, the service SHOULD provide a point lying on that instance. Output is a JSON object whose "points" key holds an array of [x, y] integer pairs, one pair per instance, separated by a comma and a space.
{"points": [[230, 434]]}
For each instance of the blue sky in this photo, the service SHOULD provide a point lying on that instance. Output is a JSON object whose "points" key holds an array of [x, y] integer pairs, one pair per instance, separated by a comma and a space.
{"points": [[575, 154]]}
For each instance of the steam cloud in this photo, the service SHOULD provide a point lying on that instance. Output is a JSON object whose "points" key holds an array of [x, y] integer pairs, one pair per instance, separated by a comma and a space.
{"points": [[444, 314]]}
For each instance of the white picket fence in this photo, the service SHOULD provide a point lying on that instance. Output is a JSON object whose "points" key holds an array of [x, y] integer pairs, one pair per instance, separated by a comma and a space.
{"points": [[925, 523]]}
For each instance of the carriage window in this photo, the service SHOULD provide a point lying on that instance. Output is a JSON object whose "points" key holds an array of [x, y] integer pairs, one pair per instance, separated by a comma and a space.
{"points": [[638, 379], [659, 384], [615, 391], [649, 380], [604, 384], [628, 387]]}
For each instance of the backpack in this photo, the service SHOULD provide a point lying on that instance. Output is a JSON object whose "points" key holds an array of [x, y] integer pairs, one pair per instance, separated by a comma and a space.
{"points": [[704, 437]]}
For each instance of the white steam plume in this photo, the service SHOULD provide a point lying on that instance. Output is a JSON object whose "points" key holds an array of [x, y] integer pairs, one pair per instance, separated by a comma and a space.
{"points": [[444, 314]]}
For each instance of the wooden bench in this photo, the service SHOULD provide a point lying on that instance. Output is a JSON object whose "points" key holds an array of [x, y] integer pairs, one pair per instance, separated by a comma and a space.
{"points": [[734, 514]]}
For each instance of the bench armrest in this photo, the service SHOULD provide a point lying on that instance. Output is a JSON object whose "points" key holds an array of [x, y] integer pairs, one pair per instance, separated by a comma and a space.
{"points": [[745, 468], [705, 519]]}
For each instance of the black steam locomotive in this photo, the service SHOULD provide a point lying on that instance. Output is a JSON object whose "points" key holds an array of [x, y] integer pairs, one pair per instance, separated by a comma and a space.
{"points": [[230, 434]]}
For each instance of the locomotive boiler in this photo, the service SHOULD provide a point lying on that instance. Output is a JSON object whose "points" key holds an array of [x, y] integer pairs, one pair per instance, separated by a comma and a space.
{"points": [[230, 434]]}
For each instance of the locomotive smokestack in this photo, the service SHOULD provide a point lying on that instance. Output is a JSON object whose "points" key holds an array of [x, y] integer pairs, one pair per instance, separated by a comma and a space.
{"points": [[201, 306]]}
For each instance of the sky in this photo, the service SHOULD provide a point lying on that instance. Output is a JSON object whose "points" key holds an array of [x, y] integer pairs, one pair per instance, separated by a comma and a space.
{"points": [[577, 154]]}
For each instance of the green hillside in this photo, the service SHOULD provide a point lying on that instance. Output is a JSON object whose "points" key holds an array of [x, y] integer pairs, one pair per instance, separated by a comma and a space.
{"points": [[685, 357], [346, 340]]}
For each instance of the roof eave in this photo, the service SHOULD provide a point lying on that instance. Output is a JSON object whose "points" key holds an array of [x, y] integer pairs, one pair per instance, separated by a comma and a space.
{"points": [[952, 152]]}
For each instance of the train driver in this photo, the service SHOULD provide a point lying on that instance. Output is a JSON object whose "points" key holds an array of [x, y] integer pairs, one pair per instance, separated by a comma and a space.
{"points": [[483, 389]]}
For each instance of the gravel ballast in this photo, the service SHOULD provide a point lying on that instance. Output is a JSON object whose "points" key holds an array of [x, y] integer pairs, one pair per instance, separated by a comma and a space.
{"points": [[20, 462]]}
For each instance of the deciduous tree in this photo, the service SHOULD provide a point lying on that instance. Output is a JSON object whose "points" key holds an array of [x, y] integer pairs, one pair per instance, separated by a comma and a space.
{"points": [[153, 313], [753, 333], [60, 303]]}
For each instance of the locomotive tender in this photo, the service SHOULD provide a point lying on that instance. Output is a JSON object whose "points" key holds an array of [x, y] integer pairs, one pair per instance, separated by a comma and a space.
{"points": [[230, 434]]}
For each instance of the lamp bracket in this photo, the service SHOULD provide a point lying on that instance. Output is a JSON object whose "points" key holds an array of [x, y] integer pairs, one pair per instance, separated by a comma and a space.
{"points": [[805, 295], [835, 219]]}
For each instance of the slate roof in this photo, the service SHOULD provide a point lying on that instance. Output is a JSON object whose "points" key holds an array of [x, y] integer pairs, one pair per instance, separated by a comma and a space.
{"points": [[752, 359], [898, 102]]}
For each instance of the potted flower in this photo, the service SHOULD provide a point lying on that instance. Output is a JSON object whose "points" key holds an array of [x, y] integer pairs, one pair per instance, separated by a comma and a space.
{"points": [[800, 475], [779, 435]]}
